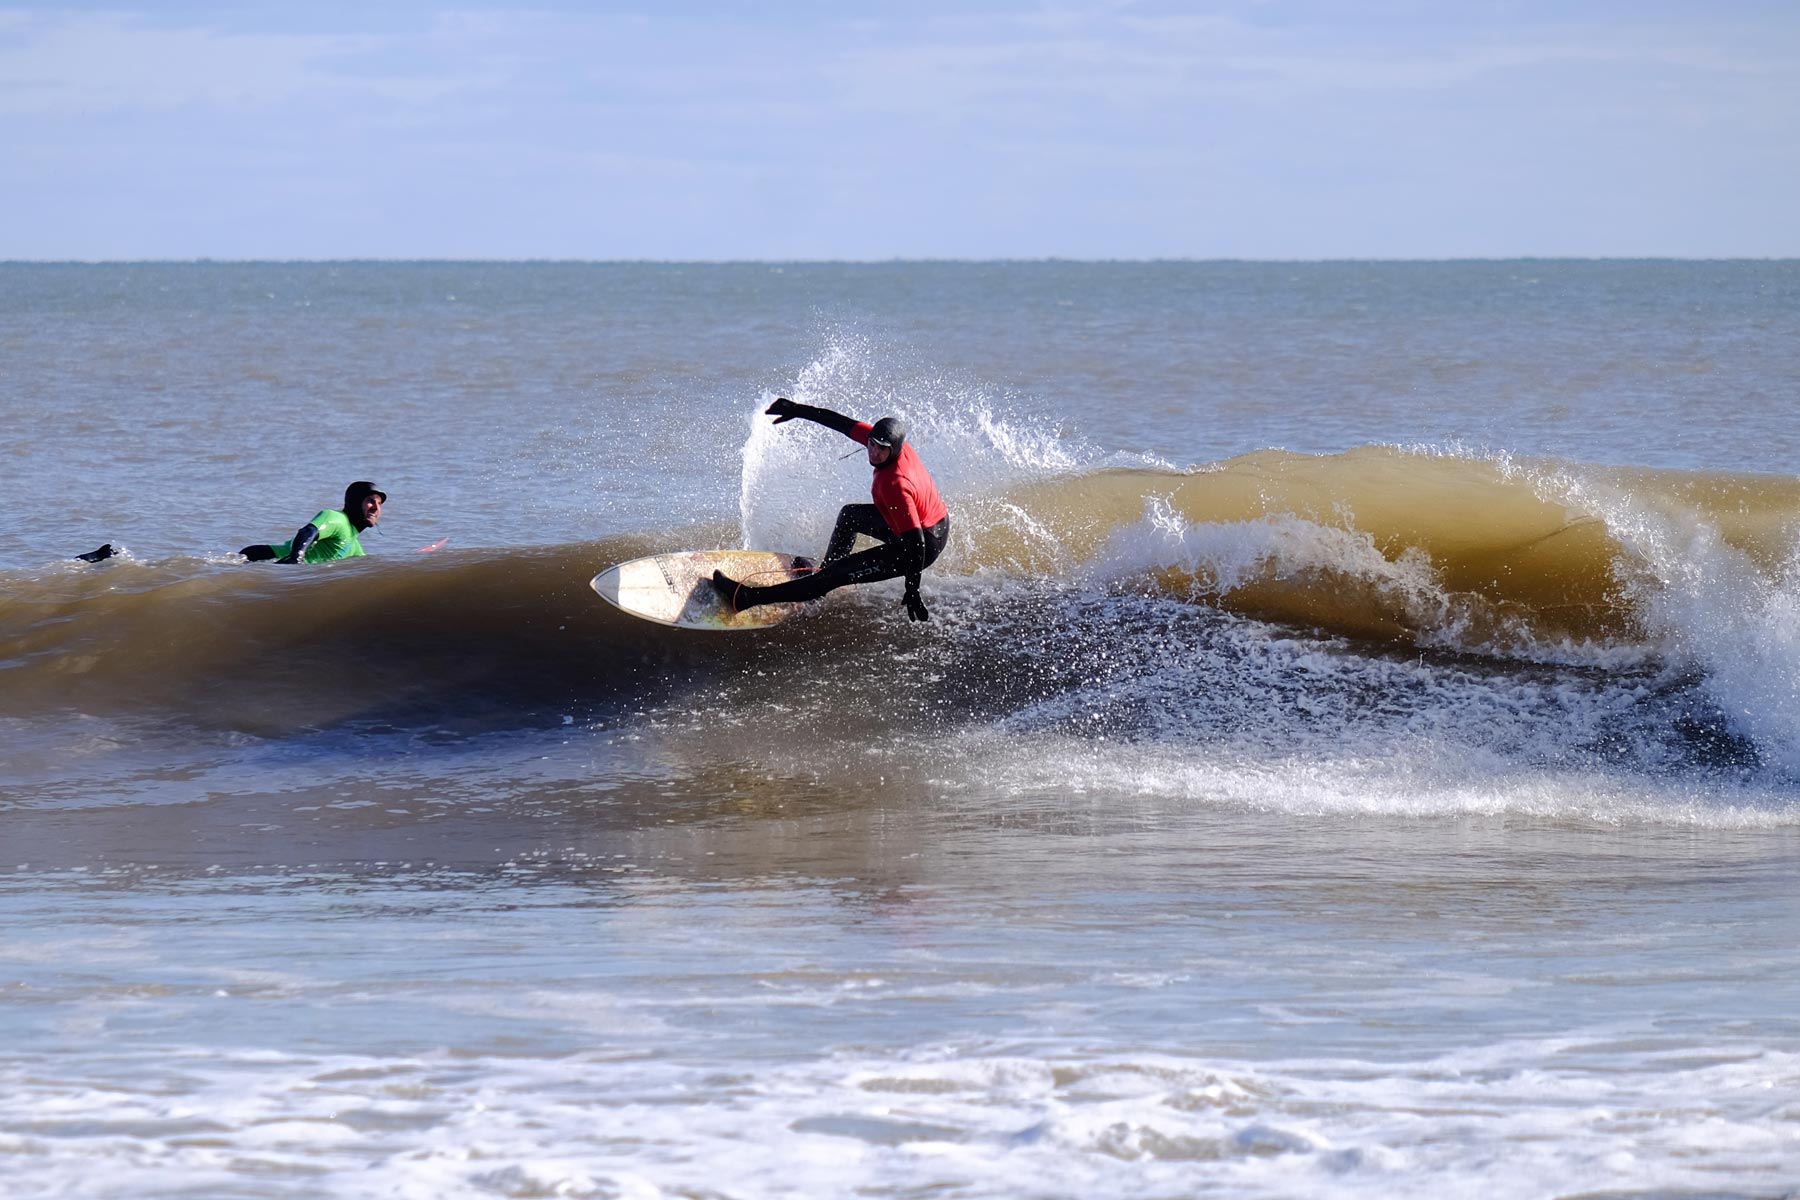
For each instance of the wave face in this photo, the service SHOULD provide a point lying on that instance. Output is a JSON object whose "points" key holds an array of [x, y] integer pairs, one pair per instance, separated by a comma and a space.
{"points": [[1687, 575], [1427, 548], [1527, 614], [456, 635]]}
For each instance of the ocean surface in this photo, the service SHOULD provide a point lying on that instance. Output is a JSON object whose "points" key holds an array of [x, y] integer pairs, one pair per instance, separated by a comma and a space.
{"points": [[1356, 752]]}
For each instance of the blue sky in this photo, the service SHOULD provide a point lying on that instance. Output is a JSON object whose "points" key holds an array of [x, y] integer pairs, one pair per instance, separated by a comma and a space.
{"points": [[814, 130]]}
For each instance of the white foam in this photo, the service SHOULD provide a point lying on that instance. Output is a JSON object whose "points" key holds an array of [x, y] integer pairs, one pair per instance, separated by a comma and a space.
{"points": [[1528, 1117], [1148, 697], [1706, 607], [1226, 555], [1716, 613], [1413, 777]]}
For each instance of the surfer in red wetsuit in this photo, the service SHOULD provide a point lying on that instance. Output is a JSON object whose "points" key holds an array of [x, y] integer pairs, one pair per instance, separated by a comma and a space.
{"points": [[908, 518]]}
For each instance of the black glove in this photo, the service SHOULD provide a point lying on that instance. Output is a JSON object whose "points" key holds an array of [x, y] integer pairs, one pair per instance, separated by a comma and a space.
{"points": [[915, 605], [786, 410]]}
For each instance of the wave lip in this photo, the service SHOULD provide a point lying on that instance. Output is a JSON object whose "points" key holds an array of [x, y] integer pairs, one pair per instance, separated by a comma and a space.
{"points": [[1390, 544]]}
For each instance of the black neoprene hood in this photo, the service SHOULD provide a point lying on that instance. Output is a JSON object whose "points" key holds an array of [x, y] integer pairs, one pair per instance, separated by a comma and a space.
{"points": [[353, 495], [889, 432]]}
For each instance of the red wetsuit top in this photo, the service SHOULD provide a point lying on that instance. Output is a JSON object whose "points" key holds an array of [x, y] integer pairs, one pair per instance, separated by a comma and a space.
{"points": [[902, 488]]}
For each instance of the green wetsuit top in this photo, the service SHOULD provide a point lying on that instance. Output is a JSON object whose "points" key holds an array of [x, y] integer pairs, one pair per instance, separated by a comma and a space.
{"points": [[337, 539]]}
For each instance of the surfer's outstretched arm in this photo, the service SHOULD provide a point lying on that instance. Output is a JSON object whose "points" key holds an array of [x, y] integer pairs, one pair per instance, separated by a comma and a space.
{"points": [[786, 410], [307, 535]]}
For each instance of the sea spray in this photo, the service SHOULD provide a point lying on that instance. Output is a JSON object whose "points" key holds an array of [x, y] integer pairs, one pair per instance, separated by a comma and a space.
{"points": [[1132, 695], [1712, 610], [974, 442]]}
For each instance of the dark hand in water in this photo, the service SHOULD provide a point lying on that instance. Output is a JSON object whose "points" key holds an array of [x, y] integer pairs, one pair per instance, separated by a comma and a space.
{"points": [[781, 410], [915, 606]]}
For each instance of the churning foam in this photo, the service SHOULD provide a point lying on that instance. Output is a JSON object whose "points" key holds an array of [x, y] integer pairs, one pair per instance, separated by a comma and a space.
{"points": [[1529, 1117], [1708, 607], [1145, 698], [1222, 559]]}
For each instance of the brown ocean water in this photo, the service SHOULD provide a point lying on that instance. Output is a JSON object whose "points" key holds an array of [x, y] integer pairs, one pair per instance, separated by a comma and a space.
{"points": [[1356, 750]]}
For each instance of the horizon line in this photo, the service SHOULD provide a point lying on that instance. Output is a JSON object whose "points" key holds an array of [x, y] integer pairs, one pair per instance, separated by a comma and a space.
{"points": [[208, 260]]}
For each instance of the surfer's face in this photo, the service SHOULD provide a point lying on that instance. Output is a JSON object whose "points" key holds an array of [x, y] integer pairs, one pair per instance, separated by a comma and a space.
{"points": [[879, 454], [371, 509]]}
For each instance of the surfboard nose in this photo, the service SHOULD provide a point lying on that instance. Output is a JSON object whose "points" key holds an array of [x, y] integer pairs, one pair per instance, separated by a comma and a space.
{"points": [[677, 589]]}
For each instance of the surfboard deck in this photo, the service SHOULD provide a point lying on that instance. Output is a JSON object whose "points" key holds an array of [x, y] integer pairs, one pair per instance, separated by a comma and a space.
{"points": [[676, 589]]}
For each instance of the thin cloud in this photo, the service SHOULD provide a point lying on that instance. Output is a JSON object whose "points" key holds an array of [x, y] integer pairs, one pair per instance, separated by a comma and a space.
{"points": [[98, 63], [983, 128], [1125, 59]]}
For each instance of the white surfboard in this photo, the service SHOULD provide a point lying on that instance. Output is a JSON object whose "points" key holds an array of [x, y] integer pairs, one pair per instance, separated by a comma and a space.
{"points": [[676, 589]]}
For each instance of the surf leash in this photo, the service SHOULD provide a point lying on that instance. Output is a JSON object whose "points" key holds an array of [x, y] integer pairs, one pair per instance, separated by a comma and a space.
{"points": [[790, 572]]}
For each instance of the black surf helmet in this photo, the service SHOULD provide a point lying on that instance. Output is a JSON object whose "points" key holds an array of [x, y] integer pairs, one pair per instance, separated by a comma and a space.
{"points": [[889, 432]]}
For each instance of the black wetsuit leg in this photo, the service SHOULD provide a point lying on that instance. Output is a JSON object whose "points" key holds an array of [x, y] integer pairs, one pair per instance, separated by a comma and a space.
{"points": [[853, 519], [890, 560]]}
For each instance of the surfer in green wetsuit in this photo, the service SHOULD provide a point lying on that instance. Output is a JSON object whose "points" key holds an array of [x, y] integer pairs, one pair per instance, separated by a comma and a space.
{"points": [[330, 535]]}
